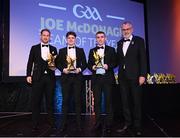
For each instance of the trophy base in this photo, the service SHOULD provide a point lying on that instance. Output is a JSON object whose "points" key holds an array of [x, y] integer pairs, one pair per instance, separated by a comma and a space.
{"points": [[100, 71]]}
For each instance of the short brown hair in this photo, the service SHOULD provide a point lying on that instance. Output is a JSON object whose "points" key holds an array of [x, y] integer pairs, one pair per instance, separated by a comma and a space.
{"points": [[101, 32], [45, 30], [70, 33]]}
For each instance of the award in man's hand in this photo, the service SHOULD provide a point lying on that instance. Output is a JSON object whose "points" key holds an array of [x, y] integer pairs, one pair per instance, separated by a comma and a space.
{"points": [[51, 61], [98, 59], [70, 63]]}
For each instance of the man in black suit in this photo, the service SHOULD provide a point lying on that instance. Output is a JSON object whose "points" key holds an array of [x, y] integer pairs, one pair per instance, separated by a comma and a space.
{"points": [[41, 77], [131, 55], [102, 61], [71, 61]]}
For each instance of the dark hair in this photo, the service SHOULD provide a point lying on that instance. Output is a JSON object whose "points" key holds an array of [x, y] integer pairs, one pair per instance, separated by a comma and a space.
{"points": [[70, 33], [45, 30], [101, 32]]}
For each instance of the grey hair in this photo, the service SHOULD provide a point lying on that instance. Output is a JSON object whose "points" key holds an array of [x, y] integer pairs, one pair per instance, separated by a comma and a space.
{"points": [[127, 22]]}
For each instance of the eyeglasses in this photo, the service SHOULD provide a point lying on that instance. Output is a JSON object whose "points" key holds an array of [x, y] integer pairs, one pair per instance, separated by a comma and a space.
{"points": [[128, 29]]}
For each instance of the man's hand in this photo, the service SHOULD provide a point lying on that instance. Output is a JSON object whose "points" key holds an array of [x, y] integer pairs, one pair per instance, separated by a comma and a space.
{"points": [[94, 67], [66, 71], [77, 70], [141, 80], [29, 79], [105, 66]]}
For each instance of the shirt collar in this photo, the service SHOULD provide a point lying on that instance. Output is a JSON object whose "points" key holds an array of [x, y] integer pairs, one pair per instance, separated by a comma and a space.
{"points": [[101, 45], [130, 38], [71, 46], [44, 44]]}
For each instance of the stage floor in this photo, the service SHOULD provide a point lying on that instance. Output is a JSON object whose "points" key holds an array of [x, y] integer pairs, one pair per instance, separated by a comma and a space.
{"points": [[20, 125]]}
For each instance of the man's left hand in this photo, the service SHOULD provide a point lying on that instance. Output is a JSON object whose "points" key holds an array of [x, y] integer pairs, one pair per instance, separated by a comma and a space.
{"points": [[105, 66], [77, 70], [141, 80]]}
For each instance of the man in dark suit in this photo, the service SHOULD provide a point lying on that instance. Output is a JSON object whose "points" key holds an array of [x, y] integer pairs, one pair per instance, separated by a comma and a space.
{"points": [[71, 61], [131, 55], [41, 77], [102, 61]]}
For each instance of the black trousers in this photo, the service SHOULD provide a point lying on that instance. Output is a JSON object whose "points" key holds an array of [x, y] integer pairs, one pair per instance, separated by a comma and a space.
{"points": [[103, 86], [45, 86], [131, 96], [71, 86]]}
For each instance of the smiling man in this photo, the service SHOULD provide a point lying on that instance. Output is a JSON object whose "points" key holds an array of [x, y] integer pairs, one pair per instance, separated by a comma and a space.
{"points": [[102, 61], [71, 61], [41, 77], [131, 55]]}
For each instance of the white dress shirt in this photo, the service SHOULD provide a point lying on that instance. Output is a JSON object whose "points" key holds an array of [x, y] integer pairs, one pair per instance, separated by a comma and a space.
{"points": [[44, 51], [126, 45]]}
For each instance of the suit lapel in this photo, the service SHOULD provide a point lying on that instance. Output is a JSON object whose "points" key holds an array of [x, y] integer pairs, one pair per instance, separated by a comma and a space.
{"points": [[129, 48], [105, 54], [39, 50], [51, 50], [95, 49], [65, 53], [121, 48], [77, 55]]}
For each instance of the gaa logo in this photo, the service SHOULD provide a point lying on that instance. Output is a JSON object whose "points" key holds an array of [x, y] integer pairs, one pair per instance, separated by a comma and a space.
{"points": [[86, 12]]}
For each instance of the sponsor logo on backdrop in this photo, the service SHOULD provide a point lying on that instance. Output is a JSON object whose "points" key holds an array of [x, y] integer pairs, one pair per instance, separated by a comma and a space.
{"points": [[86, 12]]}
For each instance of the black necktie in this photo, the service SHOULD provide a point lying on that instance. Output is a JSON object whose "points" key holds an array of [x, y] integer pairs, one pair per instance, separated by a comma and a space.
{"points": [[44, 45], [126, 40], [100, 47], [71, 47]]}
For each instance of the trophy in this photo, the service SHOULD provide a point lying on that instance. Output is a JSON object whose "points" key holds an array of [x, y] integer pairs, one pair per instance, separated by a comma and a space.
{"points": [[116, 78], [51, 61], [98, 59], [70, 63], [150, 79]]}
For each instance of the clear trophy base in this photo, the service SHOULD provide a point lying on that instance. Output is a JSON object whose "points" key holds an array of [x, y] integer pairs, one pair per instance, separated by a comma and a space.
{"points": [[100, 70]]}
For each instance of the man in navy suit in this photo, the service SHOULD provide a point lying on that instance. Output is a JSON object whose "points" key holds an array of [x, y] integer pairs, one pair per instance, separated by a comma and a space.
{"points": [[71, 61], [41, 77], [102, 61], [132, 61]]}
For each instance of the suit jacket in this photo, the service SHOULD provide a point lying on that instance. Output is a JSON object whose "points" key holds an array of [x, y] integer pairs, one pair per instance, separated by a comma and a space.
{"points": [[109, 59], [135, 60], [37, 65], [61, 62]]}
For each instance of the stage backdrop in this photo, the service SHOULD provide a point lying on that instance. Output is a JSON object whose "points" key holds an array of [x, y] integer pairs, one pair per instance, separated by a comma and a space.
{"points": [[27, 17], [85, 17]]}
